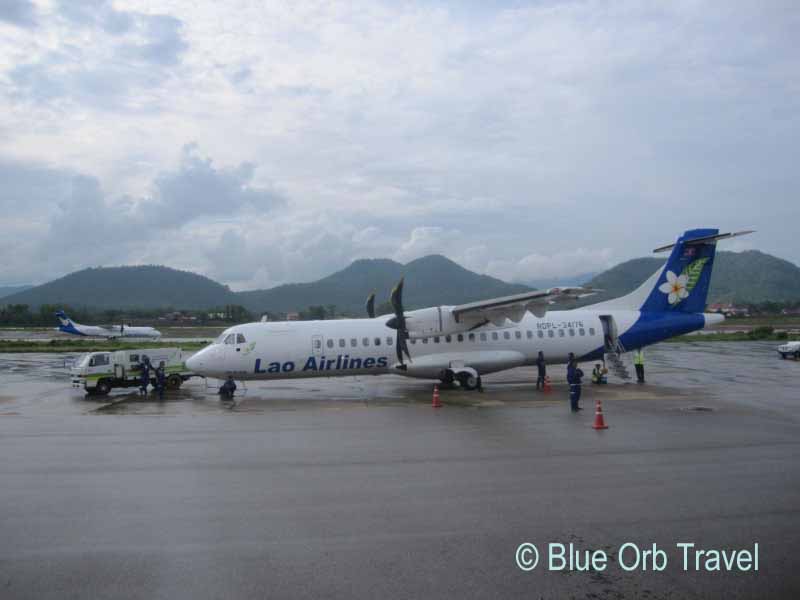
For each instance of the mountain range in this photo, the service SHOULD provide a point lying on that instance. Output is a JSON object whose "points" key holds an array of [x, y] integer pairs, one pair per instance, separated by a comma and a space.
{"points": [[750, 276]]}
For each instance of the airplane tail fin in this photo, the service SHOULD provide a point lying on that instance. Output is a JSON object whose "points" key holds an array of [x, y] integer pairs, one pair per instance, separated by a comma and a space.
{"points": [[681, 285], [64, 319]]}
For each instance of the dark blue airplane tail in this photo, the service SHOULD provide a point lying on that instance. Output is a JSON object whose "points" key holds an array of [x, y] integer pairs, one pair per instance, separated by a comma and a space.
{"points": [[683, 283]]}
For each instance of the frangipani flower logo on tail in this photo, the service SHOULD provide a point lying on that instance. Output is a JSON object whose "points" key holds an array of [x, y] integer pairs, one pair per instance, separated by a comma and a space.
{"points": [[677, 287]]}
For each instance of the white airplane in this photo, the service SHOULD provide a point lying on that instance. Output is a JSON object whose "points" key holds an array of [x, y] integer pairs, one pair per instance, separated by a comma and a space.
{"points": [[111, 333], [458, 343]]}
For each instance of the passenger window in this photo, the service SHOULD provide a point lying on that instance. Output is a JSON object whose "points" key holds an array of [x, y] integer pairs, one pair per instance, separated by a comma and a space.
{"points": [[471, 337], [436, 339], [518, 335], [507, 335], [424, 340], [495, 336], [560, 333], [329, 343], [389, 341], [540, 333], [317, 344], [529, 334], [460, 338], [365, 341], [571, 332], [240, 338], [377, 341], [581, 331], [483, 337], [353, 342], [591, 330], [231, 339], [448, 339], [342, 343], [550, 333]]}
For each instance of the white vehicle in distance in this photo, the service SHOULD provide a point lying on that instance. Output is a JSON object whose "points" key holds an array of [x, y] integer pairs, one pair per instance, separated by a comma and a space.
{"points": [[789, 349], [99, 372]]}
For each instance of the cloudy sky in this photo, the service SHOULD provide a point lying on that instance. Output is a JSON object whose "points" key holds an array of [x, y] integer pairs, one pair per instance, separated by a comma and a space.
{"points": [[266, 142]]}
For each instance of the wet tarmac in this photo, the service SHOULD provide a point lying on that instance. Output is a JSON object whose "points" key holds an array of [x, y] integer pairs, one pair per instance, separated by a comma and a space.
{"points": [[356, 487]]}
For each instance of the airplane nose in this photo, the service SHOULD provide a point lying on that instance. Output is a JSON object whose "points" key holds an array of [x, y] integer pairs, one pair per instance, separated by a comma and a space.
{"points": [[195, 362]]}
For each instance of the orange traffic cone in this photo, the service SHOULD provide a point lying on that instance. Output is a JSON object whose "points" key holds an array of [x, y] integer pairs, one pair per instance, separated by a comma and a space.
{"points": [[546, 387], [599, 422], [436, 402]]}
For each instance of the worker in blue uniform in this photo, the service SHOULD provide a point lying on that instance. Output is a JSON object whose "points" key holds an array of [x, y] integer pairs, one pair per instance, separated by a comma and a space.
{"points": [[574, 376], [161, 380], [228, 388], [541, 367], [144, 376]]}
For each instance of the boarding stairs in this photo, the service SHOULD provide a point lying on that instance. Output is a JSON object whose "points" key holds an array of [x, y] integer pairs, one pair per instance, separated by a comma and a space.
{"points": [[613, 358]]}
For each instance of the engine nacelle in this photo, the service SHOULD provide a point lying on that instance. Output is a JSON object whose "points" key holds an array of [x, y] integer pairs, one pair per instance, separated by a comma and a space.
{"points": [[437, 320]]}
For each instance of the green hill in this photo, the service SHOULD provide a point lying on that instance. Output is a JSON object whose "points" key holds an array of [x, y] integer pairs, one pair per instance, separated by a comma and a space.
{"points": [[429, 281], [742, 277], [128, 288]]}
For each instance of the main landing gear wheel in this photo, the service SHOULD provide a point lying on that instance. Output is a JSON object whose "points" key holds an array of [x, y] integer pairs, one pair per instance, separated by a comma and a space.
{"points": [[467, 381]]}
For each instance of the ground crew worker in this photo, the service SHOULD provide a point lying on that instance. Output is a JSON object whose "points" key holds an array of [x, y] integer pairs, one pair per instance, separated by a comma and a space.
{"points": [[638, 363], [574, 376], [161, 380], [599, 374], [228, 388], [144, 380], [541, 365]]}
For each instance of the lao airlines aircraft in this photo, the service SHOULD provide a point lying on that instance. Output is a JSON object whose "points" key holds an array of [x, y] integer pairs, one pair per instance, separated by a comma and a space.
{"points": [[111, 332], [458, 343]]}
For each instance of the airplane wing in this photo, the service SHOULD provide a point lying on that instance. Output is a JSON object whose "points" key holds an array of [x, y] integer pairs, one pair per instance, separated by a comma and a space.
{"points": [[497, 310]]}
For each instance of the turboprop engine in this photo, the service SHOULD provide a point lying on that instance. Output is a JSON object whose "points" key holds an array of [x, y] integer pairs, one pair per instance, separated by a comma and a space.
{"points": [[437, 320]]}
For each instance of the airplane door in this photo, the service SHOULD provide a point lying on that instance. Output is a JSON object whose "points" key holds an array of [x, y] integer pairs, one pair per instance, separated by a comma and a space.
{"points": [[609, 332], [316, 345]]}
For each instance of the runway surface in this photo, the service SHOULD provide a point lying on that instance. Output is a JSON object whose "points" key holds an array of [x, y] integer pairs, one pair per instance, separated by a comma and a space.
{"points": [[357, 488]]}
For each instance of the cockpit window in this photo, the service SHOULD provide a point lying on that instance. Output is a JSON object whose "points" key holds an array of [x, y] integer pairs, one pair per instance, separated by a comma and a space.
{"points": [[231, 339], [240, 338]]}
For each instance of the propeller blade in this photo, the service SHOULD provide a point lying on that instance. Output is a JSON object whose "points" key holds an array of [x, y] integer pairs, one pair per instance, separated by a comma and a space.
{"points": [[398, 322], [371, 305], [396, 298]]}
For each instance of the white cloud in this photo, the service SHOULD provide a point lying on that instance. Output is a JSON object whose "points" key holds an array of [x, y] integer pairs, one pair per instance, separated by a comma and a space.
{"points": [[547, 266], [502, 136]]}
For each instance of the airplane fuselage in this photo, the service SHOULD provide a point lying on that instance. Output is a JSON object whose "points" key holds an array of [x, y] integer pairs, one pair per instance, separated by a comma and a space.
{"points": [[367, 346], [109, 332]]}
